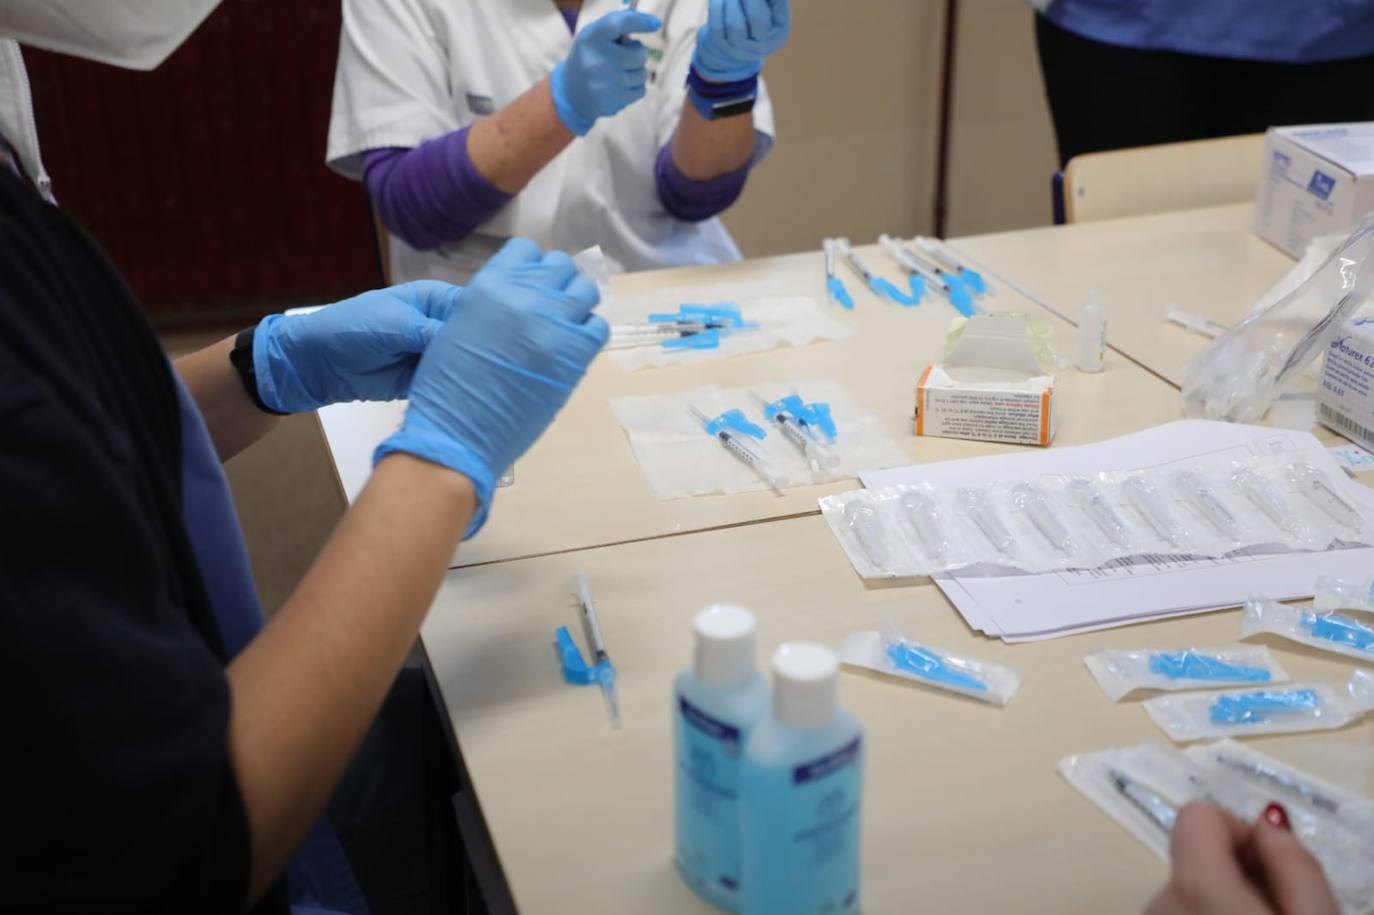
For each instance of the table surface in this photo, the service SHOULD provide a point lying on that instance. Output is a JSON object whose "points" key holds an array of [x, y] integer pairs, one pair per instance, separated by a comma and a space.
{"points": [[580, 486], [1205, 261], [964, 809]]}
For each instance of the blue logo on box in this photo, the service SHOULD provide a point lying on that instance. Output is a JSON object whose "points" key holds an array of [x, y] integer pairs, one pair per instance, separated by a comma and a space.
{"points": [[1321, 184], [1282, 161]]}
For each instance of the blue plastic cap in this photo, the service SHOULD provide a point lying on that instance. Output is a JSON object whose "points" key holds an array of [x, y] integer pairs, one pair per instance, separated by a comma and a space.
{"points": [[736, 421], [928, 665], [1193, 665], [728, 312], [575, 669], [884, 288], [835, 286], [974, 279], [1254, 708], [962, 301]]}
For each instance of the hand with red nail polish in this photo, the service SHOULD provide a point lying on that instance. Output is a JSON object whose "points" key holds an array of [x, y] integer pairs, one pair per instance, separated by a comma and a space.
{"points": [[1223, 866]]}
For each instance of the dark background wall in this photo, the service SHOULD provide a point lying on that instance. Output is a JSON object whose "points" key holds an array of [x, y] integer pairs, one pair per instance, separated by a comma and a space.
{"points": [[205, 179]]}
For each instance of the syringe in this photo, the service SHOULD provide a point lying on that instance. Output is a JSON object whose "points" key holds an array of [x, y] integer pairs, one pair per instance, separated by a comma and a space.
{"points": [[596, 643], [652, 334], [940, 254], [817, 455], [873, 281], [947, 284], [834, 286], [745, 453]]}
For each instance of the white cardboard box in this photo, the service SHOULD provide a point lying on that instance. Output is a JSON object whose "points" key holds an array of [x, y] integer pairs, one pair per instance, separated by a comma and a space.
{"points": [[989, 388], [1316, 180], [1345, 400]]}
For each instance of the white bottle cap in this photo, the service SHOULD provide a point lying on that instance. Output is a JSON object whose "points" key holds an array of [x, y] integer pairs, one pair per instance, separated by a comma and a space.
{"points": [[725, 645], [805, 677]]}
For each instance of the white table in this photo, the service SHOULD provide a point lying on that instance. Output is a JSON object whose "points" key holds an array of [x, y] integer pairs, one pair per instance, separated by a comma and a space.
{"points": [[580, 485]]}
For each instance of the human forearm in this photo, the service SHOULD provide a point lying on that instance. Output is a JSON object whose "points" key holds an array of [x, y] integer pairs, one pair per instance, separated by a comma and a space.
{"points": [[234, 421], [511, 146], [307, 688], [704, 149]]}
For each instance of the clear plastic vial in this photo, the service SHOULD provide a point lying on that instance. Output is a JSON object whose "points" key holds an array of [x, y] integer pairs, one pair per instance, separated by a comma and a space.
{"points": [[1092, 335], [801, 790], [716, 702]]}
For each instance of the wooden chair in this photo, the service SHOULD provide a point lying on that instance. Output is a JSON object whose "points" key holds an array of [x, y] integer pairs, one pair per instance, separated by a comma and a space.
{"points": [[1156, 179]]}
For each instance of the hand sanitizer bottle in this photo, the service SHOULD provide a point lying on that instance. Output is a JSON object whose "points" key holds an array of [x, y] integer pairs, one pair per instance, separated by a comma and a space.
{"points": [[716, 703], [800, 793]]}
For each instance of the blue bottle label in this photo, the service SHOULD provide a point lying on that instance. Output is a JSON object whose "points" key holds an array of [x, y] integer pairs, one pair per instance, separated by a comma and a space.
{"points": [[708, 787], [825, 829], [828, 764], [713, 728]]}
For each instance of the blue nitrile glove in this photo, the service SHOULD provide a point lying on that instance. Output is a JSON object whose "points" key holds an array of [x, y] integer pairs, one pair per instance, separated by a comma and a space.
{"points": [[363, 348], [738, 35], [518, 341], [604, 71]]}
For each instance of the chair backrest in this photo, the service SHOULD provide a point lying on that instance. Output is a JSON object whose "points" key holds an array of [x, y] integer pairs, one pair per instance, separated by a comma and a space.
{"points": [[1156, 179]]}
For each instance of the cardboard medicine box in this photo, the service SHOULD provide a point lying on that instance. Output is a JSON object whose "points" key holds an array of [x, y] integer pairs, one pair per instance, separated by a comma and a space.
{"points": [[1315, 180], [990, 387], [1345, 400]]}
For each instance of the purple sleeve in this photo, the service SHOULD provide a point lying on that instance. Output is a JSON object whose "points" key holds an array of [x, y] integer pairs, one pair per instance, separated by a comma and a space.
{"points": [[431, 194], [695, 201]]}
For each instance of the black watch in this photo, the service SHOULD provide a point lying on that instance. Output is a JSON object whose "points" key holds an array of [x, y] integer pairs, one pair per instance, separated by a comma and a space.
{"points": [[241, 358]]}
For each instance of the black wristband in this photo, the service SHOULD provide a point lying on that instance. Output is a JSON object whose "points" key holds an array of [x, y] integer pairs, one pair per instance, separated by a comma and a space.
{"points": [[241, 358]]}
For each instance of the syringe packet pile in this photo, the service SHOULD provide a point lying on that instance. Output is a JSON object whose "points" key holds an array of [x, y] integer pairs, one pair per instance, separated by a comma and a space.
{"points": [[1143, 787], [1053, 522]]}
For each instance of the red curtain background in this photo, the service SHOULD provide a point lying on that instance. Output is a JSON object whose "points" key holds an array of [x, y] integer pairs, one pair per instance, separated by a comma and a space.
{"points": [[205, 179]]}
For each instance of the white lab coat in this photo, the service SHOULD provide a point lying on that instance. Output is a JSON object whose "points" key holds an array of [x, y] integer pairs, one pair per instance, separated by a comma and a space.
{"points": [[413, 70]]}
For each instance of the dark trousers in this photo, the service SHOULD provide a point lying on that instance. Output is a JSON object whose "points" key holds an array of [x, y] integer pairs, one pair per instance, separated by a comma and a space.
{"points": [[1104, 96], [393, 811]]}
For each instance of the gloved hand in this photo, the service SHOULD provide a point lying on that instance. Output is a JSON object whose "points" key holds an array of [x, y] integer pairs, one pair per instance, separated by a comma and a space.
{"points": [[604, 71], [738, 35], [363, 348], [517, 343]]}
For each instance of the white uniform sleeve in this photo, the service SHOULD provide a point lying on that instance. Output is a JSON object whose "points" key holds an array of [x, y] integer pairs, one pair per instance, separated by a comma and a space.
{"points": [[681, 23], [391, 87]]}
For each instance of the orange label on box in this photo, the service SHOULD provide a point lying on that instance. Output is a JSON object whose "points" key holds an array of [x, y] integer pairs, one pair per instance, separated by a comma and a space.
{"points": [[1017, 413]]}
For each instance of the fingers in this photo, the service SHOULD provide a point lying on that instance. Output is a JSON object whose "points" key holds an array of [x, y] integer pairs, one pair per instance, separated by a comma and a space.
{"points": [[432, 298], [422, 334], [758, 19], [1204, 849], [515, 252], [555, 270], [624, 22], [598, 329], [1293, 877], [782, 14]]}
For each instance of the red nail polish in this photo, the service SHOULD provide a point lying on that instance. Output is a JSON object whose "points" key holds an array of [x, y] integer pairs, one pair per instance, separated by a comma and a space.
{"points": [[1276, 816]]}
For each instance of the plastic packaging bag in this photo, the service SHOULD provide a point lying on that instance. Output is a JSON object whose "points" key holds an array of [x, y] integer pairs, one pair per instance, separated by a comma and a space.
{"points": [[1310, 706], [1142, 787], [892, 653], [1305, 796], [1120, 673], [1334, 825], [1057, 522], [1341, 594], [1328, 631], [1245, 369]]}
